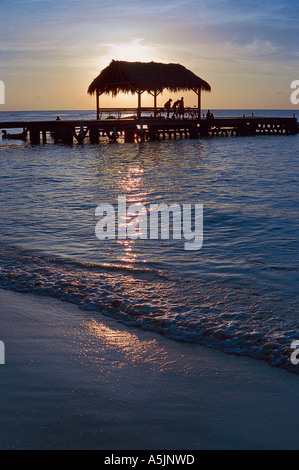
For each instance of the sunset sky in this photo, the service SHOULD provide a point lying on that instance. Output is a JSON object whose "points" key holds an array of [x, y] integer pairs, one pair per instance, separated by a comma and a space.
{"points": [[51, 50]]}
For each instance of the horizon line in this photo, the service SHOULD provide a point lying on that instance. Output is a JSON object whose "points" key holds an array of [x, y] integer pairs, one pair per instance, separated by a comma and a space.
{"points": [[93, 110]]}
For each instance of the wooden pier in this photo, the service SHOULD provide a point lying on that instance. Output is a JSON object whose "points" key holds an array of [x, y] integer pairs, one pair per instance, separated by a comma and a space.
{"points": [[147, 123], [148, 128]]}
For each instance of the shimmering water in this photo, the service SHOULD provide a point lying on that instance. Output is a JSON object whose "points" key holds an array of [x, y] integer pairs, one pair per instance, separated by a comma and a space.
{"points": [[239, 293]]}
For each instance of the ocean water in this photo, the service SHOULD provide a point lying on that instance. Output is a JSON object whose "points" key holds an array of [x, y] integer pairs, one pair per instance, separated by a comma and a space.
{"points": [[238, 293]]}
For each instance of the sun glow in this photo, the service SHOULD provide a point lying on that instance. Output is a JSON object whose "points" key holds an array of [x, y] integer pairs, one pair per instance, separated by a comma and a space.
{"points": [[133, 51]]}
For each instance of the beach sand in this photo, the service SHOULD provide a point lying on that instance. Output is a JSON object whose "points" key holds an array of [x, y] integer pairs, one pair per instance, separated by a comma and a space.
{"points": [[75, 379]]}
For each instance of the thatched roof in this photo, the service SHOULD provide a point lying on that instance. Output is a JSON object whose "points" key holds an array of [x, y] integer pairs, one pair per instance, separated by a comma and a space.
{"points": [[128, 77]]}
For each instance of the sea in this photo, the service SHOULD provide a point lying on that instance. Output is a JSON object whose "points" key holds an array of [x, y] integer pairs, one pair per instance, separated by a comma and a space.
{"points": [[238, 293]]}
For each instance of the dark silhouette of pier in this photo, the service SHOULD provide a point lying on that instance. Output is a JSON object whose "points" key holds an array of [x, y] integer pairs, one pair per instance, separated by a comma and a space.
{"points": [[148, 128]]}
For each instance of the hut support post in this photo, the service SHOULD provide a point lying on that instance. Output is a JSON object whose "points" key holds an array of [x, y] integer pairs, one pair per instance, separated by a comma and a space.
{"points": [[155, 94], [139, 105], [199, 103], [98, 103]]}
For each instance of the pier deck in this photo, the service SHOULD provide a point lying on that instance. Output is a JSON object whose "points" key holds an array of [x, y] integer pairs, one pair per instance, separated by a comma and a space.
{"points": [[147, 128]]}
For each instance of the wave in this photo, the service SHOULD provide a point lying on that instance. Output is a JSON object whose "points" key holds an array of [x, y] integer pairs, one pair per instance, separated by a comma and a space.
{"points": [[232, 319]]}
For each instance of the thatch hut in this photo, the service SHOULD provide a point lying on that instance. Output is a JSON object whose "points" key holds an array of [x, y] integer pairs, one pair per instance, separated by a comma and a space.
{"points": [[151, 77]]}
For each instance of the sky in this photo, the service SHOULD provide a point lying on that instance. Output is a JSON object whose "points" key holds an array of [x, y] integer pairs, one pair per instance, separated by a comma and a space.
{"points": [[50, 51]]}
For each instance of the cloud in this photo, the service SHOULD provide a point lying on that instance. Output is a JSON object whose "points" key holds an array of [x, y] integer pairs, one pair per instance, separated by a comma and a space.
{"points": [[217, 39]]}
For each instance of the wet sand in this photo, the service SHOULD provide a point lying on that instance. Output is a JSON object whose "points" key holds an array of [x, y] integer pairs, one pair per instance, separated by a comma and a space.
{"points": [[75, 379]]}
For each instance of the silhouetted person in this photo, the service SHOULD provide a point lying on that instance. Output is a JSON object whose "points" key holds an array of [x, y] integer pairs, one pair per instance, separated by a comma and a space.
{"points": [[57, 118], [181, 108], [167, 107], [175, 108], [209, 115]]}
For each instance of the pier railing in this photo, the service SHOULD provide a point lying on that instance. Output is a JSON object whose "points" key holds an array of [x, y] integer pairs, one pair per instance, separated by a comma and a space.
{"points": [[123, 113]]}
